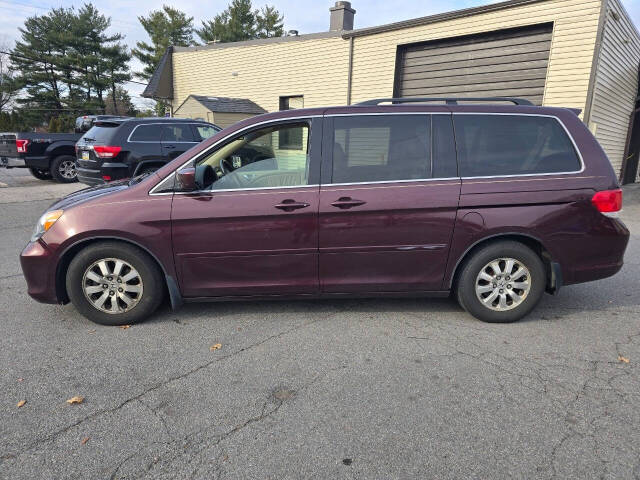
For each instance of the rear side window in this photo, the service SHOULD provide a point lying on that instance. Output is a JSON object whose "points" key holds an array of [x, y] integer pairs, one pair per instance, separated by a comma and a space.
{"points": [[381, 148], [146, 133], [103, 133], [496, 145], [177, 133]]}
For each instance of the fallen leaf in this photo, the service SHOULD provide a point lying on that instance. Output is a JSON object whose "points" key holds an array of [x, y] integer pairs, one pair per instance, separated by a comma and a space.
{"points": [[215, 347], [20, 379], [84, 440], [77, 399], [124, 327], [21, 403], [91, 332], [623, 359]]}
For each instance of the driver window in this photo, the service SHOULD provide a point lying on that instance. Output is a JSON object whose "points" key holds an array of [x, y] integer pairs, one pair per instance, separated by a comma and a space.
{"points": [[255, 160]]}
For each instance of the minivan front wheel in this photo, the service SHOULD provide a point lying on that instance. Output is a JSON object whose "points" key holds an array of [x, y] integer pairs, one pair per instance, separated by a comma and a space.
{"points": [[502, 282], [114, 283]]}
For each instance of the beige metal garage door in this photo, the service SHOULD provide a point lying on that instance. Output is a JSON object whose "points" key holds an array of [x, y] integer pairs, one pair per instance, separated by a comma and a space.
{"points": [[502, 63]]}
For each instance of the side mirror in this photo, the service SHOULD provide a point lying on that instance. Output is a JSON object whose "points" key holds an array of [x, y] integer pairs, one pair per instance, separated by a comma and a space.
{"points": [[186, 180]]}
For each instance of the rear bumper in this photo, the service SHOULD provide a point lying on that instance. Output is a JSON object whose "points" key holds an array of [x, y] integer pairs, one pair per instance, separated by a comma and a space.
{"points": [[12, 162], [605, 258], [95, 176], [38, 267]]}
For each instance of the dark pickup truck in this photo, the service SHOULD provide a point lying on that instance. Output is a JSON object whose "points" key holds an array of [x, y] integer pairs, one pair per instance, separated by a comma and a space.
{"points": [[46, 155]]}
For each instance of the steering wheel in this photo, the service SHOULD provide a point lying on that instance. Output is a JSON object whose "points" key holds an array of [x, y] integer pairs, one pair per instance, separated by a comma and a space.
{"points": [[225, 166]]}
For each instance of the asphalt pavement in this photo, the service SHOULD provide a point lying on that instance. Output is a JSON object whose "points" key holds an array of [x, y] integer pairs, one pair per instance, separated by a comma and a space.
{"points": [[353, 389]]}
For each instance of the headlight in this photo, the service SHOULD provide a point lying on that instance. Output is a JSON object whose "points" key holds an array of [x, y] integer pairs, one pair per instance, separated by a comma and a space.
{"points": [[45, 223]]}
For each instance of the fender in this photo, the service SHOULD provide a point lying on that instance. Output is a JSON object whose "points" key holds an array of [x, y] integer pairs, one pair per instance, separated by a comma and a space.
{"points": [[68, 147], [172, 286], [556, 269]]}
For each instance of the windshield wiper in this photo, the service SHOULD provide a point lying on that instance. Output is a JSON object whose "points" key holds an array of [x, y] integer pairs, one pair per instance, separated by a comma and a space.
{"points": [[138, 178]]}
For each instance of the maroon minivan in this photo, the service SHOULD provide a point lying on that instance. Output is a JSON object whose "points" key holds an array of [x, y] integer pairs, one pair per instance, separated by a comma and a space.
{"points": [[497, 203]]}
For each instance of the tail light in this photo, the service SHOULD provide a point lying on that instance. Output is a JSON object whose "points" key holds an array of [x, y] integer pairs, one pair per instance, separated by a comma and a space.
{"points": [[104, 151], [21, 145], [106, 178], [608, 201]]}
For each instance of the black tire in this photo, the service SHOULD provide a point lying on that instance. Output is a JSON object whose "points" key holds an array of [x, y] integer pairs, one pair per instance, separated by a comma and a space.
{"points": [[472, 267], [40, 174], [62, 171], [149, 273]]}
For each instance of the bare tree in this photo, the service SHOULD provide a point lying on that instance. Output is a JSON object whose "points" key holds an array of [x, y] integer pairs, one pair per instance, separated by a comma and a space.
{"points": [[8, 85]]}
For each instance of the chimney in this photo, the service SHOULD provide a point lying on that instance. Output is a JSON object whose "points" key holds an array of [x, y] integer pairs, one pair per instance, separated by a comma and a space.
{"points": [[341, 16]]}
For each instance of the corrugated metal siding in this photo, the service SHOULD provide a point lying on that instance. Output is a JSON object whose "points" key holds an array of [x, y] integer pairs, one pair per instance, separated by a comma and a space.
{"points": [[315, 68], [570, 60], [616, 82], [503, 63]]}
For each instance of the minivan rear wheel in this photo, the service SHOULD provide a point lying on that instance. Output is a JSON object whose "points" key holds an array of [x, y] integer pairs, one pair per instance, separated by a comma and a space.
{"points": [[501, 282], [114, 283]]}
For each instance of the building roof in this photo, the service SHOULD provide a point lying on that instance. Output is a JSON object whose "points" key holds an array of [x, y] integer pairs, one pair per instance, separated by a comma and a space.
{"points": [[227, 105], [161, 83], [440, 17], [261, 41]]}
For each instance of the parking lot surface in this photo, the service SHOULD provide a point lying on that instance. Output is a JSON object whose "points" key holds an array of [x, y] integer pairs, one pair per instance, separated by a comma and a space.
{"points": [[411, 388]]}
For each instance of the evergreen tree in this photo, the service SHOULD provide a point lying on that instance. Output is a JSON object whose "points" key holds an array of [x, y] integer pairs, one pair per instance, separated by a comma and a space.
{"points": [[120, 103], [8, 85], [66, 62], [239, 22], [166, 27], [269, 23]]}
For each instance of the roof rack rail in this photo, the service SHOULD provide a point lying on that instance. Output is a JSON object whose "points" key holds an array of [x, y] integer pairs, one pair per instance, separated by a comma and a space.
{"points": [[447, 100]]}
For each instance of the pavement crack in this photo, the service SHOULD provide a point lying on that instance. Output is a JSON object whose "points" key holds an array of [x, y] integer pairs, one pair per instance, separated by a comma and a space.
{"points": [[152, 388]]}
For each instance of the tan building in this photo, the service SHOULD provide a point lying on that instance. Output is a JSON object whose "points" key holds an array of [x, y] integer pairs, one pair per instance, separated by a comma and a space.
{"points": [[582, 54]]}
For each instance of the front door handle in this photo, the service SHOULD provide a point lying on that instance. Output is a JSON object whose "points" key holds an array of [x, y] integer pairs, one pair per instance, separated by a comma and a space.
{"points": [[169, 146], [290, 205], [347, 202]]}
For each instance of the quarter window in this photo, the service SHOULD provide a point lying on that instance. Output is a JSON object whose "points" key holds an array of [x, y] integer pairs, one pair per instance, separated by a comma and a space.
{"points": [[382, 148], [255, 160], [496, 145]]}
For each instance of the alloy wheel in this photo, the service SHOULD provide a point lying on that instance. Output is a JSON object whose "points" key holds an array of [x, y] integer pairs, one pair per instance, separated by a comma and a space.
{"points": [[112, 285], [503, 284], [67, 169]]}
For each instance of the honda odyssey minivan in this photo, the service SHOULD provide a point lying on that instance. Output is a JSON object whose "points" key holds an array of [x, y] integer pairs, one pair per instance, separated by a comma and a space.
{"points": [[492, 202]]}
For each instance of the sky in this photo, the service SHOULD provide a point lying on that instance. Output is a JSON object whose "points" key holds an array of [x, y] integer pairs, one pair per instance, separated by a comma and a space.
{"points": [[305, 16]]}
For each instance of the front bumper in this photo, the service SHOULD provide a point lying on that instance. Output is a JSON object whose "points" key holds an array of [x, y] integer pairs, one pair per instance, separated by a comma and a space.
{"points": [[39, 266], [12, 162]]}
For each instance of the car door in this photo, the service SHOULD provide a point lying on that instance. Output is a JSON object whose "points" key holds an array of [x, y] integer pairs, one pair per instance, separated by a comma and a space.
{"points": [[388, 202], [252, 229], [176, 139]]}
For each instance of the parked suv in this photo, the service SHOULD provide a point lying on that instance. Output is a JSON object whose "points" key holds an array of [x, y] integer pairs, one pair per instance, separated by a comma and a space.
{"points": [[118, 148], [494, 203]]}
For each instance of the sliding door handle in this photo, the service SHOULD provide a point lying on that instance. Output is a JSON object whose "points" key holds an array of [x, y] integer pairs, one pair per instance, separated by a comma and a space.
{"points": [[291, 205], [347, 202]]}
